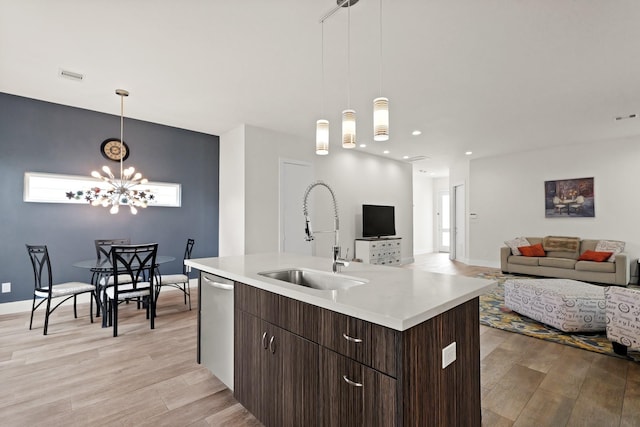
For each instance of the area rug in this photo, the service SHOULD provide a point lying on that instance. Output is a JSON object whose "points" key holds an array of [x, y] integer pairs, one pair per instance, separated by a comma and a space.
{"points": [[493, 313]]}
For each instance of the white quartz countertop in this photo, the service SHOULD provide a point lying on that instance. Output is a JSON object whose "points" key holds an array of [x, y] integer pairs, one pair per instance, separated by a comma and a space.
{"points": [[395, 297]]}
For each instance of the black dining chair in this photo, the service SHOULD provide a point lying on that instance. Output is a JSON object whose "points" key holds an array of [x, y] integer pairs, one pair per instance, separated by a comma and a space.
{"points": [[179, 281], [138, 263], [48, 292], [103, 254]]}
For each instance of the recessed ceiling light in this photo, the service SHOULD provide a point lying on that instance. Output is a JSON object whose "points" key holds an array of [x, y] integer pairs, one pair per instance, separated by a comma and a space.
{"points": [[405, 157], [363, 145], [416, 132], [432, 173], [386, 151], [468, 153]]}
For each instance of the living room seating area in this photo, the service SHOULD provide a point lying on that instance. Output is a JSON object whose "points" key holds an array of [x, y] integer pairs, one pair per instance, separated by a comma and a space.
{"points": [[589, 260]]}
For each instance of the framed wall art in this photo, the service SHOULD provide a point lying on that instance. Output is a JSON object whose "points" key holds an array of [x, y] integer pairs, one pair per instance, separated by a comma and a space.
{"points": [[569, 198]]}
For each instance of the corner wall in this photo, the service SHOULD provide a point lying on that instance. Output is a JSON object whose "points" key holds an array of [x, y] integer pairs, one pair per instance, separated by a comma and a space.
{"points": [[359, 178], [356, 178]]}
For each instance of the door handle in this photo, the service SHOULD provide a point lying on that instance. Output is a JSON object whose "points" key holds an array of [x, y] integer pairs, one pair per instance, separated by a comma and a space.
{"points": [[264, 340], [351, 339], [224, 286], [352, 383], [272, 345]]}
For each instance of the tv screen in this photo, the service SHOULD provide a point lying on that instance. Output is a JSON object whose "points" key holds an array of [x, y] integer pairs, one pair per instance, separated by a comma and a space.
{"points": [[378, 221]]}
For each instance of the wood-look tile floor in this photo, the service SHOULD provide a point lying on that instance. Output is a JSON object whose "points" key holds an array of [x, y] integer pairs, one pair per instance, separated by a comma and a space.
{"points": [[79, 375]]}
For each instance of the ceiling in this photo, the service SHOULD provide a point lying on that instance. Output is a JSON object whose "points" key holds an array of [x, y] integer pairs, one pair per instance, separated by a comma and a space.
{"points": [[486, 76]]}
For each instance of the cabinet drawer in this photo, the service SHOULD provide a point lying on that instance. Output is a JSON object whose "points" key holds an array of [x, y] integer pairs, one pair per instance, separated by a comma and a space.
{"points": [[289, 314], [365, 342], [346, 335], [352, 394]]}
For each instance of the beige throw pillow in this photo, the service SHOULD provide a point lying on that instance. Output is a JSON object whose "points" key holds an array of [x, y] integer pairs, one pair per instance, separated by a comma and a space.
{"points": [[614, 246], [515, 243]]}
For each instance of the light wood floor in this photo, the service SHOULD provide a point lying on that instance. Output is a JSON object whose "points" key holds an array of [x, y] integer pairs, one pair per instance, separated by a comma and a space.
{"points": [[79, 375]]}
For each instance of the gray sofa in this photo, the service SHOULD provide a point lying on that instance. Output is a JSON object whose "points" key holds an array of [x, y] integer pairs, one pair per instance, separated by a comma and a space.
{"points": [[564, 264]]}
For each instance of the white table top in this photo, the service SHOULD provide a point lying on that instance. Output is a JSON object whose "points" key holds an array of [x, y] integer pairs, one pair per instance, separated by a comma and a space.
{"points": [[395, 297]]}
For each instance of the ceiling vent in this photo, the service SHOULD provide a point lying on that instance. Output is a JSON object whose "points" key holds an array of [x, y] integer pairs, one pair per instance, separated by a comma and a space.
{"points": [[630, 116], [417, 158], [71, 75]]}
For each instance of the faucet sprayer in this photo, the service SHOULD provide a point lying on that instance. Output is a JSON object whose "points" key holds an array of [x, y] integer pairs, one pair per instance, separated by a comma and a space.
{"points": [[336, 223]]}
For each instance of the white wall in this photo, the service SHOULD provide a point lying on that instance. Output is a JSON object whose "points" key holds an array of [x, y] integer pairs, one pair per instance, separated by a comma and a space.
{"points": [[232, 202], [264, 149], [358, 178], [424, 199], [507, 194]]}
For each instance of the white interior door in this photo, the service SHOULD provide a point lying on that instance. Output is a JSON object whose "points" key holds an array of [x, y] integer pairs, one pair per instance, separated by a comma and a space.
{"points": [[459, 225], [295, 177], [444, 221]]}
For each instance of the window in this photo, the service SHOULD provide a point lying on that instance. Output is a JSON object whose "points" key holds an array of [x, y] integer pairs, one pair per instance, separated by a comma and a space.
{"points": [[53, 188]]}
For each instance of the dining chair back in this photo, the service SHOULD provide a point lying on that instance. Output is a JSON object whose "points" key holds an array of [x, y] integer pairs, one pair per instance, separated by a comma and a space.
{"points": [[103, 247], [138, 263], [47, 291], [179, 281], [98, 277]]}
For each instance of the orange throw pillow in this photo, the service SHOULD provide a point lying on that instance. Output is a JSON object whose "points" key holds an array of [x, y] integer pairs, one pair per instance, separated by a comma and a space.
{"points": [[533, 250], [594, 256]]}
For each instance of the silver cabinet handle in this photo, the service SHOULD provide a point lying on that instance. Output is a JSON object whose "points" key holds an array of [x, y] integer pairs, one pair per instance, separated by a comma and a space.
{"points": [[351, 339], [272, 346], [225, 286], [352, 383], [264, 340]]}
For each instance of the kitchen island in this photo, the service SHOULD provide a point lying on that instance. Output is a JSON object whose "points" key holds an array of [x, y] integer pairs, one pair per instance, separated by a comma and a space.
{"points": [[401, 347]]}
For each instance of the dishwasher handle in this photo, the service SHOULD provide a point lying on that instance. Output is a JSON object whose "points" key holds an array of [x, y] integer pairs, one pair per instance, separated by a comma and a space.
{"points": [[219, 285]]}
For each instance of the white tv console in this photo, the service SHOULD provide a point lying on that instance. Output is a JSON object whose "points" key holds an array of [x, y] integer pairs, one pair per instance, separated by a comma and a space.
{"points": [[382, 251]]}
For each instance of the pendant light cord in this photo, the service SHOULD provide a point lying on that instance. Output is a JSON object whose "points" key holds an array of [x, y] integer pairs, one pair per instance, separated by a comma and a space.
{"points": [[322, 50], [121, 133], [380, 47], [349, 54]]}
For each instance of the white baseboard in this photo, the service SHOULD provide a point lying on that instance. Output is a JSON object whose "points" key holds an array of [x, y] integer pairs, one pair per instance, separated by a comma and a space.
{"points": [[25, 305], [408, 260], [483, 263]]}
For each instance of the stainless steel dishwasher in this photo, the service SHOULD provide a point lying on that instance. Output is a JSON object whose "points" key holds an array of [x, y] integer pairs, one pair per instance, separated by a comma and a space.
{"points": [[215, 326]]}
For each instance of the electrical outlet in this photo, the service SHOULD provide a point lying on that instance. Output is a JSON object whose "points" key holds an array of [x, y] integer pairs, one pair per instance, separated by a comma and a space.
{"points": [[6, 287], [448, 355]]}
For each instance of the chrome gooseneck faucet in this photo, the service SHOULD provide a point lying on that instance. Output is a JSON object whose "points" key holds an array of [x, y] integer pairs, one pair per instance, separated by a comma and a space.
{"points": [[337, 261]]}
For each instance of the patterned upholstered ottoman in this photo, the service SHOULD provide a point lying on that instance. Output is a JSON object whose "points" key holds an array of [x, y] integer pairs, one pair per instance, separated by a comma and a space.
{"points": [[568, 305]]}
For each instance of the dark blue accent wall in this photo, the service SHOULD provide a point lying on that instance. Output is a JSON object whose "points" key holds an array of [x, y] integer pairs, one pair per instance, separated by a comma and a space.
{"points": [[37, 136]]}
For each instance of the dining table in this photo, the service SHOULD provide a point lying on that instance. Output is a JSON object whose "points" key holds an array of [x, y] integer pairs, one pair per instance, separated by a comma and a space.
{"points": [[102, 268]]}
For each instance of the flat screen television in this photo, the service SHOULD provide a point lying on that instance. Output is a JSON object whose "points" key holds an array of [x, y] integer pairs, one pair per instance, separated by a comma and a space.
{"points": [[378, 221]]}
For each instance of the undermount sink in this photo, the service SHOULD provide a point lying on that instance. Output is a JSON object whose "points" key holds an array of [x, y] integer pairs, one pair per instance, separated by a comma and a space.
{"points": [[313, 279]]}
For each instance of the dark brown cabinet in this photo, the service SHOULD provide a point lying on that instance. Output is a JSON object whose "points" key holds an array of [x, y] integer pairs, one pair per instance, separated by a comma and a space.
{"points": [[301, 365], [276, 376]]}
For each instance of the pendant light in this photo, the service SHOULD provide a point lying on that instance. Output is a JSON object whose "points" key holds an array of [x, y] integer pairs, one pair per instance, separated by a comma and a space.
{"points": [[125, 190], [348, 115], [322, 125], [381, 104]]}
